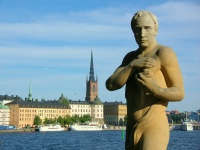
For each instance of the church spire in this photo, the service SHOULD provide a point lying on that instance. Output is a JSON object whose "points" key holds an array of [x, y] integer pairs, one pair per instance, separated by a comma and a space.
{"points": [[91, 78], [30, 92], [91, 83]]}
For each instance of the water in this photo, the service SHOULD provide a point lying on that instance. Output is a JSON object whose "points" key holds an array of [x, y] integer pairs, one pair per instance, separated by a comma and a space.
{"points": [[95, 140]]}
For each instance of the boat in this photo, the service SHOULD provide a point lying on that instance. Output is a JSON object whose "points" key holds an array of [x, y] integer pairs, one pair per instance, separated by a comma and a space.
{"points": [[186, 125], [50, 127], [171, 127], [88, 126]]}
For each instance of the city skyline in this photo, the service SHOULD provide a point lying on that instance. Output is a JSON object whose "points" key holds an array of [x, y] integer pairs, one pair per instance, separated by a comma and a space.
{"points": [[52, 42]]}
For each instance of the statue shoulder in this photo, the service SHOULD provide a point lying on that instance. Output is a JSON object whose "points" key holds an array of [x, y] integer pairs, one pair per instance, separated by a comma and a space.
{"points": [[166, 54], [129, 57]]}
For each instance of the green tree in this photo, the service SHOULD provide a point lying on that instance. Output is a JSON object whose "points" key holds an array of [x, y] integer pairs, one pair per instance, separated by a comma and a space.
{"points": [[68, 120], [46, 121], [37, 121], [177, 118], [60, 120], [85, 118], [75, 118]]}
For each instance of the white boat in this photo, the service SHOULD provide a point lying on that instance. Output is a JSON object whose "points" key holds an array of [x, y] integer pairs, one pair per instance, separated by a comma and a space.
{"points": [[88, 126], [186, 126], [171, 127], [50, 127]]}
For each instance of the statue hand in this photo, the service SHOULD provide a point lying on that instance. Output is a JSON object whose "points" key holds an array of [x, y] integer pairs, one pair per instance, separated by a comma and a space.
{"points": [[144, 62], [146, 80]]}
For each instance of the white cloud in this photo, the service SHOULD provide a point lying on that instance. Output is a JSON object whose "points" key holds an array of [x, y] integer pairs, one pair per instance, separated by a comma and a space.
{"points": [[55, 51]]}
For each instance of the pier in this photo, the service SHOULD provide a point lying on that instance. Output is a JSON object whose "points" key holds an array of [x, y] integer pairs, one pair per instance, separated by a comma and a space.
{"points": [[196, 126]]}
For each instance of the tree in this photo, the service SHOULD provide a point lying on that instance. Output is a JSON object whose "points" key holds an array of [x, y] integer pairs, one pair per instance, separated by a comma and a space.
{"points": [[75, 118], [85, 118], [68, 120], [60, 120], [37, 121], [46, 121]]}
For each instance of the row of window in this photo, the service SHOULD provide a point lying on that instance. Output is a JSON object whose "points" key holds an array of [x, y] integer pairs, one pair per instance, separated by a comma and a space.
{"points": [[86, 106], [46, 111]]}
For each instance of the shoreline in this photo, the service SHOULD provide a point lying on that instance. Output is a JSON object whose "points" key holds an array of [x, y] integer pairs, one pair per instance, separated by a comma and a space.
{"points": [[33, 130]]}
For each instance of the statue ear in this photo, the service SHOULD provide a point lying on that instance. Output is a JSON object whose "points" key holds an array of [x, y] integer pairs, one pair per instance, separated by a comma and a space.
{"points": [[156, 31]]}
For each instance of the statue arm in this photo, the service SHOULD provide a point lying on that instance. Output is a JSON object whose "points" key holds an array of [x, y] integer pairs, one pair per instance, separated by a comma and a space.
{"points": [[118, 79], [172, 74], [128, 67]]}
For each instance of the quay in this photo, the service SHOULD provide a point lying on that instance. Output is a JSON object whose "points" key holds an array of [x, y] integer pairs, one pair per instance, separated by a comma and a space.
{"points": [[196, 126]]}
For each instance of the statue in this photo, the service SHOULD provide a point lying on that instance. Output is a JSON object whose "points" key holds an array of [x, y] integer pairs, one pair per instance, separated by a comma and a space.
{"points": [[153, 78]]}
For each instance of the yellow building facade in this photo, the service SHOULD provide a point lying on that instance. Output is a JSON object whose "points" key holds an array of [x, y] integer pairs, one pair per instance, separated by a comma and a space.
{"points": [[114, 113], [22, 113]]}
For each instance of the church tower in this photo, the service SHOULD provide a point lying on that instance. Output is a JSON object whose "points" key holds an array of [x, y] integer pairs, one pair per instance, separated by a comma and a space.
{"points": [[30, 92], [91, 83]]}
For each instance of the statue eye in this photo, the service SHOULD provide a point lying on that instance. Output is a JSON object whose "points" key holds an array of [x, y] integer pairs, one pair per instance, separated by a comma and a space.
{"points": [[148, 28]]}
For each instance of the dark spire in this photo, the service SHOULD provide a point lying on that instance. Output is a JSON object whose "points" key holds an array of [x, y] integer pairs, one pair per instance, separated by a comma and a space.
{"points": [[30, 92], [91, 78]]}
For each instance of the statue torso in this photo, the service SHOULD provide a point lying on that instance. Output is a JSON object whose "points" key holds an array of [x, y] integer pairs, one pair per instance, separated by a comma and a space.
{"points": [[138, 100]]}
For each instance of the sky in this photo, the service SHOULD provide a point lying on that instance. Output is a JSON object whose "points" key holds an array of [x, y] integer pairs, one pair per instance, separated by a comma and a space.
{"points": [[49, 43]]}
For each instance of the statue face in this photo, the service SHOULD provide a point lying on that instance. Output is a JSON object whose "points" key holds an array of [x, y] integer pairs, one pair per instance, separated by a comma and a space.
{"points": [[144, 31]]}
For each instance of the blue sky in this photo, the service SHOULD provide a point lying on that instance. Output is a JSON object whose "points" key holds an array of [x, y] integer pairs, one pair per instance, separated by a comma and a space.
{"points": [[51, 42]]}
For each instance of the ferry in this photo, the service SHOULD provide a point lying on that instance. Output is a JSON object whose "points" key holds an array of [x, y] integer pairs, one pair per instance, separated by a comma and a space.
{"points": [[186, 126], [88, 126], [50, 127]]}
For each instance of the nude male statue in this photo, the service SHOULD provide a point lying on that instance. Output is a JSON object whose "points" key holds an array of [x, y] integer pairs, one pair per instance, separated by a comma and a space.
{"points": [[153, 78]]}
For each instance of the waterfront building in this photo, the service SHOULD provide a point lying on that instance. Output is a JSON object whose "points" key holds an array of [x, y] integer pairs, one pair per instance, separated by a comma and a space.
{"points": [[94, 109], [80, 108], [114, 113], [4, 99], [194, 116], [91, 83], [92, 105], [174, 112], [22, 113], [4, 115]]}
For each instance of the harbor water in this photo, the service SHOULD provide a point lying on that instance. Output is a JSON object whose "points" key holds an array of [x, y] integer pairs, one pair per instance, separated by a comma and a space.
{"points": [[90, 140]]}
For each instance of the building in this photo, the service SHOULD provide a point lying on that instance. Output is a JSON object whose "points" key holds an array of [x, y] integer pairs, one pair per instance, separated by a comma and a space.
{"points": [[174, 112], [92, 105], [91, 83], [22, 113], [4, 115], [30, 92], [114, 113], [80, 108], [94, 109], [4, 99]]}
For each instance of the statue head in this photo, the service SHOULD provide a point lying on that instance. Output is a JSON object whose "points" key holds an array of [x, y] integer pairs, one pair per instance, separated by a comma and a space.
{"points": [[143, 13], [145, 28]]}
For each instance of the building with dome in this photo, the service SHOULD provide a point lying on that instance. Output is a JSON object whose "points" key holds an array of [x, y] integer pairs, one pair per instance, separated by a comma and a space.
{"points": [[92, 105]]}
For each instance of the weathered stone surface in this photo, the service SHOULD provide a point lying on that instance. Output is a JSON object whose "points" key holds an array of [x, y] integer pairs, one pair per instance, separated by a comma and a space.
{"points": [[152, 78]]}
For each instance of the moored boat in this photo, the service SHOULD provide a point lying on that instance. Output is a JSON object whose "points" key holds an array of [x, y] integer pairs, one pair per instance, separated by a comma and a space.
{"points": [[50, 127], [88, 126], [187, 126]]}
